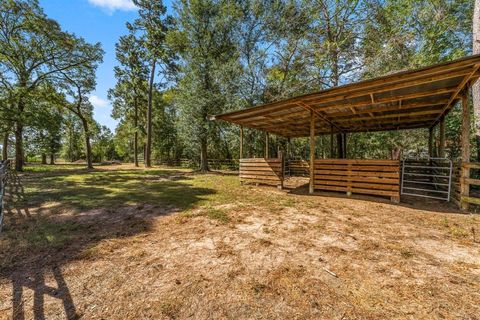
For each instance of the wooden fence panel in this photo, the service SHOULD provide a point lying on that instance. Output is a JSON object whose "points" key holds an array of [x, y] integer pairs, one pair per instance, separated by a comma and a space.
{"points": [[466, 198], [262, 171], [373, 177]]}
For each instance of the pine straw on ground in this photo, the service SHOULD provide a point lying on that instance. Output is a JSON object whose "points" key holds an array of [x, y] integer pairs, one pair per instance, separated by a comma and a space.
{"points": [[244, 252]]}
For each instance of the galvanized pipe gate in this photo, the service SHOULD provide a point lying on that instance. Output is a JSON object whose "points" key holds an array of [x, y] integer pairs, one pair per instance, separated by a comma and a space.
{"points": [[430, 178]]}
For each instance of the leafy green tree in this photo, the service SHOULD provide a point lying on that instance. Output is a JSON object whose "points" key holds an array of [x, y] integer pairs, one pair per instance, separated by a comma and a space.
{"points": [[407, 34], [72, 141], [33, 50], [153, 24], [103, 146], [208, 67], [129, 94], [166, 145], [78, 83], [47, 129]]}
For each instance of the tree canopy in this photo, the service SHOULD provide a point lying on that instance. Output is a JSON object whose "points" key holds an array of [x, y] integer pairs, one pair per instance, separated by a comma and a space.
{"points": [[209, 57]]}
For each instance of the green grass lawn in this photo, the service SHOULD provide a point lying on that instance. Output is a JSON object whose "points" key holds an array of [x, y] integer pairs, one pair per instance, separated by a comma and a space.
{"points": [[80, 189], [43, 192]]}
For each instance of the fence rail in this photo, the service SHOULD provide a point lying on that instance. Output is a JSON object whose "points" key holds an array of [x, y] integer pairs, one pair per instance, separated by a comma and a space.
{"points": [[262, 171], [373, 177], [217, 164], [465, 182], [4, 166], [429, 178]]}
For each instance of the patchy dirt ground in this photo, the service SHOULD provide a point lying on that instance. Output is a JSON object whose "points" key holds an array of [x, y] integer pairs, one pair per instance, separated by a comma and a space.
{"points": [[235, 252]]}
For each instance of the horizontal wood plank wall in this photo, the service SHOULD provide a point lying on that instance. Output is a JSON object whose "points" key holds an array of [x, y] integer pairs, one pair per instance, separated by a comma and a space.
{"points": [[262, 171], [455, 193], [465, 182], [373, 177]]}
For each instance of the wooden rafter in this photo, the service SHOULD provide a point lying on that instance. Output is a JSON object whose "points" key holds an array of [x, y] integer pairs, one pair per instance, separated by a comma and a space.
{"points": [[459, 89], [320, 115], [410, 99]]}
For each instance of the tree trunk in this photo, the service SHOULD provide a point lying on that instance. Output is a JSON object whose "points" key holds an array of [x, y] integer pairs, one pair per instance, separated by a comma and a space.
{"points": [[19, 160], [44, 158], [476, 86], [87, 143], [5, 146], [203, 155], [52, 158], [135, 137], [148, 153]]}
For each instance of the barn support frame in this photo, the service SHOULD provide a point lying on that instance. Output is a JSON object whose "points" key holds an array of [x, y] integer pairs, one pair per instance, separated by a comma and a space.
{"points": [[406, 100]]}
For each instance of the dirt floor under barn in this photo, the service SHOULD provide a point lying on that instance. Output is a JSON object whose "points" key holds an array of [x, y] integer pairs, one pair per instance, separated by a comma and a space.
{"points": [[126, 243]]}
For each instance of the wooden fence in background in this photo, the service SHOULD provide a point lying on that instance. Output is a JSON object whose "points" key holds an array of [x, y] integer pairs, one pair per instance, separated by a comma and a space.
{"points": [[262, 171], [372, 177], [216, 164]]}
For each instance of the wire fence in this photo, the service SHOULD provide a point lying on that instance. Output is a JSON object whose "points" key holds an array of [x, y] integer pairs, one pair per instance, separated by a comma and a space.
{"points": [[4, 166]]}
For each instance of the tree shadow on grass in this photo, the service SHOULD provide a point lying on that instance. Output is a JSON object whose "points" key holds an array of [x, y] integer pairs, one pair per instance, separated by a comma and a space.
{"points": [[40, 237]]}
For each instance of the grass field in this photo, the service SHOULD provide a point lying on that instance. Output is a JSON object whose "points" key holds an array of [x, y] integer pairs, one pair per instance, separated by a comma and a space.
{"points": [[125, 243]]}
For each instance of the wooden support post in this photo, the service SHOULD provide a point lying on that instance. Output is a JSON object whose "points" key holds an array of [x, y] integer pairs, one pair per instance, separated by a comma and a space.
{"points": [[332, 155], [344, 138], [266, 146], [312, 152], [339, 146], [441, 147], [282, 161], [465, 130], [241, 143], [465, 171], [288, 155], [430, 142]]}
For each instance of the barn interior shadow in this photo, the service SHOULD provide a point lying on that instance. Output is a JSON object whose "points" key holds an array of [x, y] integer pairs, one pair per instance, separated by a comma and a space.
{"points": [[40, 242]]}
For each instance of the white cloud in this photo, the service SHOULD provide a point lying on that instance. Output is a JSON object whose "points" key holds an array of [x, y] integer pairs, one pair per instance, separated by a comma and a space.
{"points": [[112, 5], [98, 102]]}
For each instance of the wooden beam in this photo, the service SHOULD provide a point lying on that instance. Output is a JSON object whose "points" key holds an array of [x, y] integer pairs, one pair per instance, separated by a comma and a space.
{"points": [[465, 144], [267, 155], [241, 143], [331, 143], [390, 83], [289, 149], [420, 112], [318, 114], [430, 142], [302, 115], [370, 92], [312, 152], [389, 108], [465, 129], [427, 93], [454, 96], [441, 147]]}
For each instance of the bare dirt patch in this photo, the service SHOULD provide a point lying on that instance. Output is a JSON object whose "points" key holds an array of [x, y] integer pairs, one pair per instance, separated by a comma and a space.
{"points": [[247, 252]]}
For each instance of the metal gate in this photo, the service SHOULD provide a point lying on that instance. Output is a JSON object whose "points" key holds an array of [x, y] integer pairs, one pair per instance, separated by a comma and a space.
{"points": [[430, 178]]}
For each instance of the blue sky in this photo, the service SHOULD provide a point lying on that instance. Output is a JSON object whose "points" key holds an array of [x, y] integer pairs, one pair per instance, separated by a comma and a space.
{"points": [[97, 21]]}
